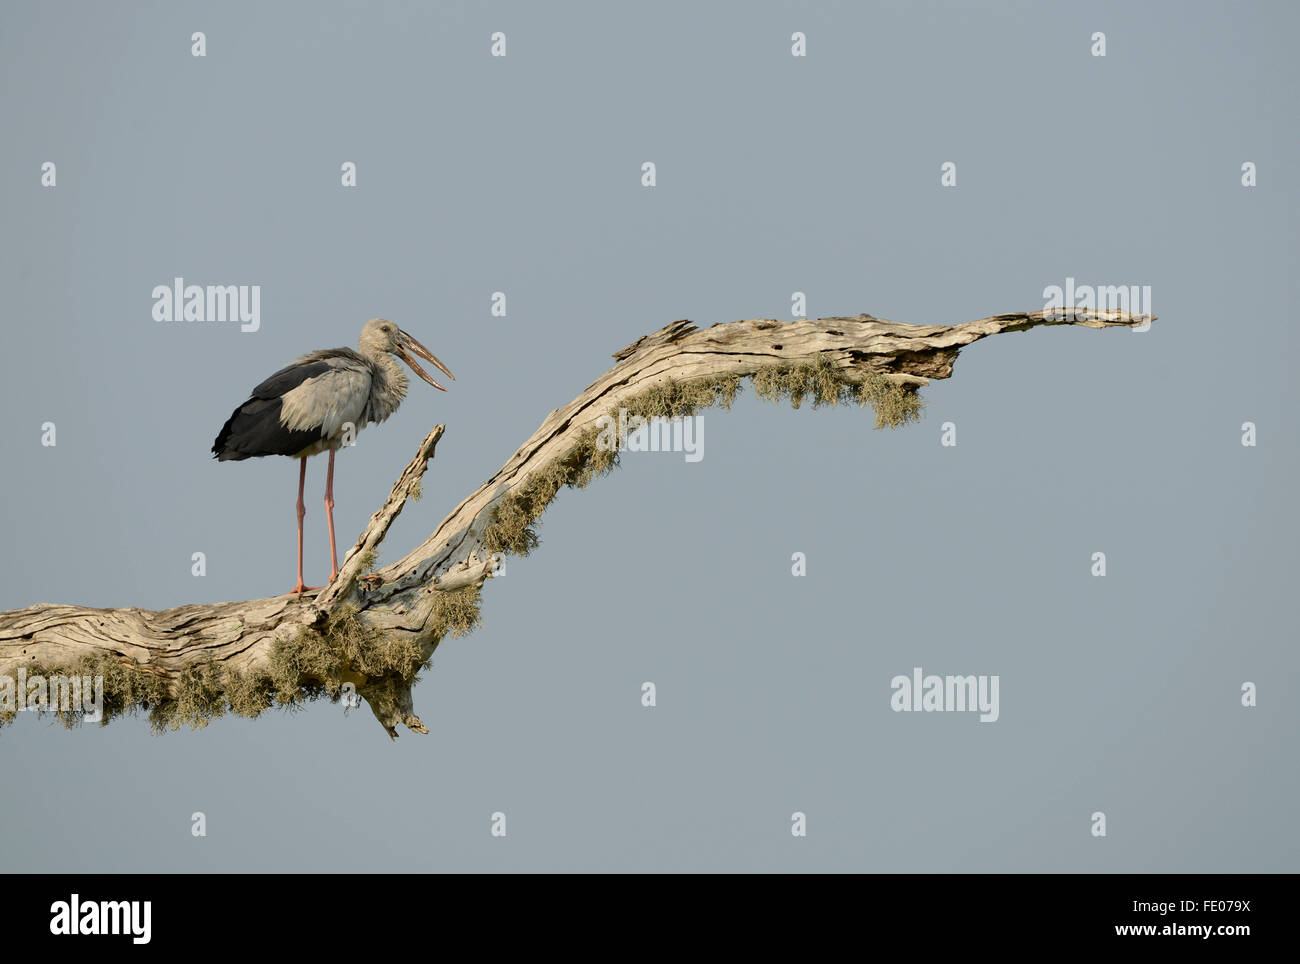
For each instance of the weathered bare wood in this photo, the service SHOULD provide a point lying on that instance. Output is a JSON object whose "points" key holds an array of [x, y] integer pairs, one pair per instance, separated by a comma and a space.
{"points": [[400, 599], [357, 558]]}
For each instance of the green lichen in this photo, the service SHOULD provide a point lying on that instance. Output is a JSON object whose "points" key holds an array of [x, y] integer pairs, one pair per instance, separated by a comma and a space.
{"points": [[512, 526], [368, 559], [309, 666], [894, 404]]}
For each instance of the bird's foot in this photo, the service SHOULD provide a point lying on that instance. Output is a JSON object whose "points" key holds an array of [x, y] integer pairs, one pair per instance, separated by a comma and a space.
{"points": [[299, 589]]}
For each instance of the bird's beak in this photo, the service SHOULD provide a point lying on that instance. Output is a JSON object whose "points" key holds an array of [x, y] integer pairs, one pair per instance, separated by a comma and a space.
{"points": [[406, 345]]}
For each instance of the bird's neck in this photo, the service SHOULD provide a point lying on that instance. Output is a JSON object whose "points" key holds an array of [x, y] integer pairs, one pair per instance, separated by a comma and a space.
{"points": [[389, 387]]}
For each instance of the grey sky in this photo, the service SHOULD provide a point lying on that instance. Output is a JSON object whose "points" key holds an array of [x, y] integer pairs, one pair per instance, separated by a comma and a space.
{"points": [[775, 174]]}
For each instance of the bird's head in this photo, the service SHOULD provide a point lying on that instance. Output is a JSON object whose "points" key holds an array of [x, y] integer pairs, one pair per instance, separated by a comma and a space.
{"points": [[381, 335]]}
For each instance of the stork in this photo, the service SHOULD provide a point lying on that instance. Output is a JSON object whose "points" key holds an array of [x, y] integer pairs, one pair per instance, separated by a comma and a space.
{"points": [[318, 402]]}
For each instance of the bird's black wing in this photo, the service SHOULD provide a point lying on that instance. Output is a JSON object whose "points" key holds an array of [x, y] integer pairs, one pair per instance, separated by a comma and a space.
{"points": [[308, 366], [254, 428]]}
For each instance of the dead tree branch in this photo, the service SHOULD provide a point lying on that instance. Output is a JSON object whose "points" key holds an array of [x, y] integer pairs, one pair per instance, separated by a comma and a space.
{"points": [[375, 631]]}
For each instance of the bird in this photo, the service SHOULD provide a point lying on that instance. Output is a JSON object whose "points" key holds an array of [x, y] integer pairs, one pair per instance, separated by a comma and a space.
{"points": [[319, 403]]}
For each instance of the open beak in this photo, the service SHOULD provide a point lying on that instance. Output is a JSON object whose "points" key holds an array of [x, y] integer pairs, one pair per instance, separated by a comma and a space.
{"points": [[406, 345]]}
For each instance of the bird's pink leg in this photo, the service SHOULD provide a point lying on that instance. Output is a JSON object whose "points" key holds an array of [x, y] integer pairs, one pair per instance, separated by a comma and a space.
{"points": [[329, 512], [302, 511]]}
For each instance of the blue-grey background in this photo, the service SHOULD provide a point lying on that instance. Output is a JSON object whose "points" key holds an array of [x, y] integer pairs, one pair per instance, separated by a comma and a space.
{"points": [[776, 174]]}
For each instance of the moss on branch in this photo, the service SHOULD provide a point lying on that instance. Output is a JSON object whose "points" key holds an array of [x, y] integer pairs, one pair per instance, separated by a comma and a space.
{"points": [[512, 526], [311, 665]]}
